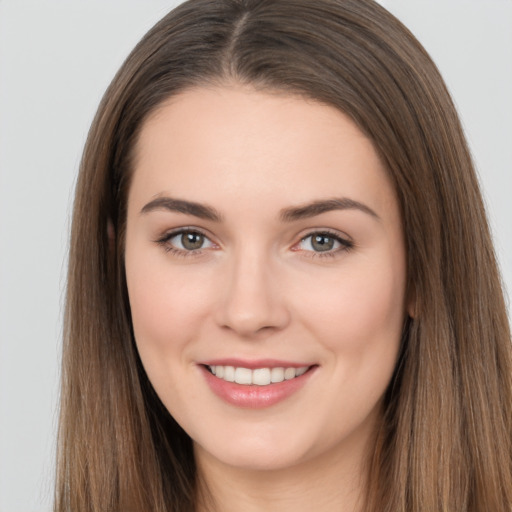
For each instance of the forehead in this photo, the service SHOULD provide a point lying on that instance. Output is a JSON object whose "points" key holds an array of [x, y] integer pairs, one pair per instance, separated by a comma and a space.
{"points": [[209, 144]]}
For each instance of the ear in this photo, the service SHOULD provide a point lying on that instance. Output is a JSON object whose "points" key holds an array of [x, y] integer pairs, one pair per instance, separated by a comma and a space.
{"points": [[411, 305], [111, 235]]}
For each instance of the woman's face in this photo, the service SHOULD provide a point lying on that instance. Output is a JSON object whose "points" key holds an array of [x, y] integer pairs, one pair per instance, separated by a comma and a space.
{"points": [[264, 244]]}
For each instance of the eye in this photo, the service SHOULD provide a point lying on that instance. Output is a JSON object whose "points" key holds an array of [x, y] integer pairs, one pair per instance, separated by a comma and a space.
{"points": [[185, 241], [324, 242], [188, 240]]}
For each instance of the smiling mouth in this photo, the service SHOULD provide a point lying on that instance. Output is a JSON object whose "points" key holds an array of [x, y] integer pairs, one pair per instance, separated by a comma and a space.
{"points": [[258, 376]]}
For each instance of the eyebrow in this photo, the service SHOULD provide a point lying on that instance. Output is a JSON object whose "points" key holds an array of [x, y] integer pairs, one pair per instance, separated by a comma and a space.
{"points": [[291, 214], [180, 205], [323, 206]]}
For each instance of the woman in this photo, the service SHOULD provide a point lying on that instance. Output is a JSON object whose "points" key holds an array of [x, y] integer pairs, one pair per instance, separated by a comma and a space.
{"points": [[282, 291]]}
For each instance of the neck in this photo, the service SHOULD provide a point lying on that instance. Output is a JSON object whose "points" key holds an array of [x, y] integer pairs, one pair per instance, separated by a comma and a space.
{"points": [[331, 482]]}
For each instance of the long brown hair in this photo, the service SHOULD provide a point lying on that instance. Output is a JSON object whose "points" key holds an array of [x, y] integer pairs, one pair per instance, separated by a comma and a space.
{"points": [[445, 438]]}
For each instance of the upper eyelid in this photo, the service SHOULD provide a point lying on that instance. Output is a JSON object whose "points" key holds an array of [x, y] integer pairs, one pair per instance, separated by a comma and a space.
{"points": [[339, 235], [170, 233]]}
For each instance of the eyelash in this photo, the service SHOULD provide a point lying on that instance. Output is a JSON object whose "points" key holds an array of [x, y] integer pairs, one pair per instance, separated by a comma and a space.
{"points": [[345, 244], [182, 253]]}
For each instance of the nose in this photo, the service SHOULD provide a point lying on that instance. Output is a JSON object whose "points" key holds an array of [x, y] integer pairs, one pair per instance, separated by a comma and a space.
{"points": [[252, 300]]}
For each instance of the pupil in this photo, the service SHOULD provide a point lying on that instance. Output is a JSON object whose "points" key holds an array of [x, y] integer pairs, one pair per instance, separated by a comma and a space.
{"points": [[322, 243], [192, 241]]}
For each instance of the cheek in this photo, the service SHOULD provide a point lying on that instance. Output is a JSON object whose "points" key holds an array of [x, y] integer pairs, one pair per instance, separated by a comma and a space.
{"points": [[358, 318], [169, 309], [166, 305], [359, 312]]}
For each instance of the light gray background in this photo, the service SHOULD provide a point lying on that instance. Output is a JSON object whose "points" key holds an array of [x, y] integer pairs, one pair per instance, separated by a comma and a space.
{"points": [[56, 58]]}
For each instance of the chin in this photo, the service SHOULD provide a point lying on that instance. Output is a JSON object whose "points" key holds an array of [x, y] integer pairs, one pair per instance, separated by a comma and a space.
{"points": [[252, 452]]}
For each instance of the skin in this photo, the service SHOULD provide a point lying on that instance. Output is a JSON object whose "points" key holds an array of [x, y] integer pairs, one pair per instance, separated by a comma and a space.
{"points": [[258, 288]]}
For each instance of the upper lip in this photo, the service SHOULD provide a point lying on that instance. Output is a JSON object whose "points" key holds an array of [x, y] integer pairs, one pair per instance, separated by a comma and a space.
{"points": [[254, 363]]}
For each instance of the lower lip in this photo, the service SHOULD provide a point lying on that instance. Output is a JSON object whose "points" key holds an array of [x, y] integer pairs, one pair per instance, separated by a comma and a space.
{"points": [[254, 396]]}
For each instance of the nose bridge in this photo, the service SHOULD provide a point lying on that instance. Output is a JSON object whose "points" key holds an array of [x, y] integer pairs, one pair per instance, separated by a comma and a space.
{"points": [[252, 299]]}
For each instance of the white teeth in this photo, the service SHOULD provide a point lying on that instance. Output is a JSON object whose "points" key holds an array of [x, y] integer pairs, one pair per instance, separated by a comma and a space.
{"points": [[259, 376], [301, 371], [277, 375], [243, 376], [229, 373], [289, 373]]}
